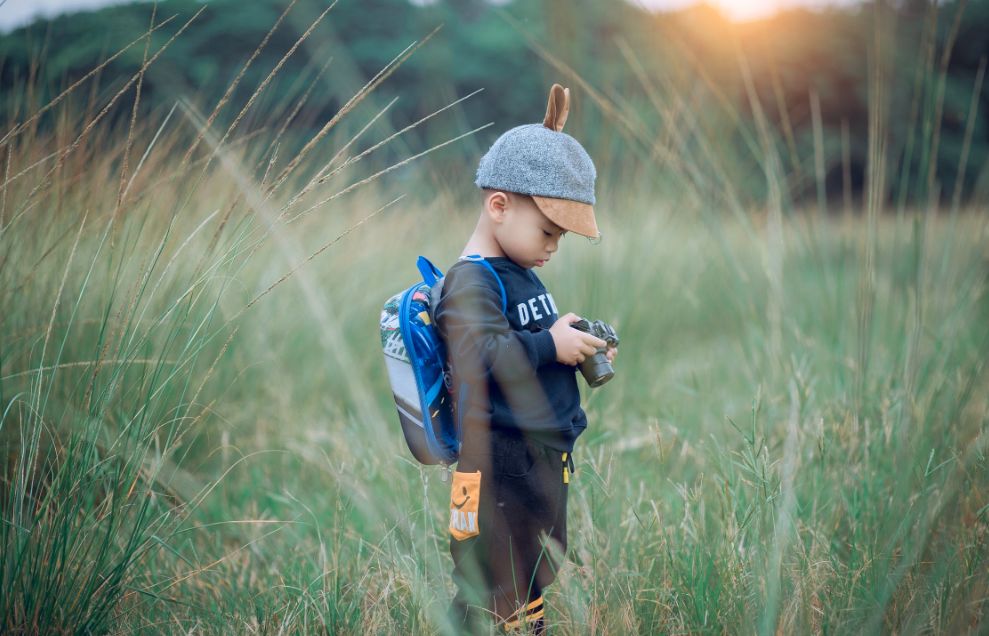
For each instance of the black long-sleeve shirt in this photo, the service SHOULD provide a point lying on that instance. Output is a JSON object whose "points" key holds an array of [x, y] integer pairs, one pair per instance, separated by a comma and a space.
{"points": [[508, 359]]}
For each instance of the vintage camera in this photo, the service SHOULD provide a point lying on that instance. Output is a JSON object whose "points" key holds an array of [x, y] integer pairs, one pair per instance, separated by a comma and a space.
{"points": [[597, 369]]}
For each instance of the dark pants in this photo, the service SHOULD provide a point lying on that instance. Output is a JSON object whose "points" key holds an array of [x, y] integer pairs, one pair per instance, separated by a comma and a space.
{"points": [[517, 544]]}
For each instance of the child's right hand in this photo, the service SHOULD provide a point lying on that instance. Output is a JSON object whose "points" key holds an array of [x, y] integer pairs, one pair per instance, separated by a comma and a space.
{"points": [[573, 346]]}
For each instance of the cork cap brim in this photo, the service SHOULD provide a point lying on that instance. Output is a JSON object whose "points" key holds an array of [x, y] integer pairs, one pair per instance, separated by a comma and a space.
{"points": [[572, 216]]}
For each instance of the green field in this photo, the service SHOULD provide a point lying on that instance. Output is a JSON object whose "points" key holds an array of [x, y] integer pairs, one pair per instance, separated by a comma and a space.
{"points": [[198, 435]]}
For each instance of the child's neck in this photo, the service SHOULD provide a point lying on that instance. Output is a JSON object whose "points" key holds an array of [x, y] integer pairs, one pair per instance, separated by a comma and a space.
{"points": [[482, 243]]}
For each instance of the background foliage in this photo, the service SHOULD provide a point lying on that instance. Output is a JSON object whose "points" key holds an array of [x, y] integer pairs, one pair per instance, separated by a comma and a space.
{"points": [[515, 50]]}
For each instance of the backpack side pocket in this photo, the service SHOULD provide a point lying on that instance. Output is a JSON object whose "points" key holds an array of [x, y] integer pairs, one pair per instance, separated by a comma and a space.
{"points": [[465, 494]]}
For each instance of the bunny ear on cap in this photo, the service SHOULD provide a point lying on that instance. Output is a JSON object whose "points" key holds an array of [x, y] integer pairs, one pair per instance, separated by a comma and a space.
{"points": [[558, 108]]}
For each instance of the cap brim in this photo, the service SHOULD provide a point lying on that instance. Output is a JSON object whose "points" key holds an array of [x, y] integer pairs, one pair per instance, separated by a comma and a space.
{"points": [[572, 216]]}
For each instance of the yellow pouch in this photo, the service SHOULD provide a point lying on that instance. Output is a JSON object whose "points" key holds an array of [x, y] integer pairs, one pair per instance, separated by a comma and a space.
{"points": [[464, 496]]}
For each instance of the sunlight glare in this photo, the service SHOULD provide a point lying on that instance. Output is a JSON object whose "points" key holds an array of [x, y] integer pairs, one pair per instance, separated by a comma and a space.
{"points": [[744, 10]]}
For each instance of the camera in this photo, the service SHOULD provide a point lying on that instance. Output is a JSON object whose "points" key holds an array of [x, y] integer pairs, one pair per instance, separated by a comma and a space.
{"points": [[597, 369]]}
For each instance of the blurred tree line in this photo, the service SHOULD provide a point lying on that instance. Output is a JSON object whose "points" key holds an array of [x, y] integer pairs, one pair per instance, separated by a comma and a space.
{"points": [[658, 98]]}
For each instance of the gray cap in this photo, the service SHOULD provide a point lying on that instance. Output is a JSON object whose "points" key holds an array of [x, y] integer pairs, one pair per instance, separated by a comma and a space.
{"points": [[551, 166]]}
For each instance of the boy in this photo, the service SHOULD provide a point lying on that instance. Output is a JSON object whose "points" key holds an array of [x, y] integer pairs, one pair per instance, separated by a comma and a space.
{"points": [[521, 411]]}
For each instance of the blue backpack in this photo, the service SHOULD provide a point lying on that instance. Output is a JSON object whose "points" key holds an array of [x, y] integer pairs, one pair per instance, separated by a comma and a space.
{"points": [[415, 357]]}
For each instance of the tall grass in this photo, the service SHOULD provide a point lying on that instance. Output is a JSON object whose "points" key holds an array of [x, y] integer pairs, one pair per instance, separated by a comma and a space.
{"points": [[198, 434], [121, 307]]}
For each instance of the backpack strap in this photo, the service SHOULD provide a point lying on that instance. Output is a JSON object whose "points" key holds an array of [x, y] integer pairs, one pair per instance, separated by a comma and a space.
{"points": [[477, 258], [430, 273]]}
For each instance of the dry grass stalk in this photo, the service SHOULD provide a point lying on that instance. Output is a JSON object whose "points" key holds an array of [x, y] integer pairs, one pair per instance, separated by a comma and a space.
{"points": [[271, 75], [147, 153], [939, 106], [58, 297], [973, 109], [301, 102], [317, 178], [773, 262], [19, 128], [130, 129], [322, 176], [819, 165], [630, 129], [381, 76], [9, 180], [63, 153], [686, 167], [317, 252], [925, 53], [233, 85], [784, 112], [846, 168], [387, 170], [85, 363], [6, 180]]}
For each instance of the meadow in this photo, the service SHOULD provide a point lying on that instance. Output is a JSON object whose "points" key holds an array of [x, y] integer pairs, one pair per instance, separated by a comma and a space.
{"points": [[198, 434]]}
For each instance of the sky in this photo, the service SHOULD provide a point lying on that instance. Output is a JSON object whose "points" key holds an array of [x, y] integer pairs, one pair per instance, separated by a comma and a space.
{"points": [[14, 13]]}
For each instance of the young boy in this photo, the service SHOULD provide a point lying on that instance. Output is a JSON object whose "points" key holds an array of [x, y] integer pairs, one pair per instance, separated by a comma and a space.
{"points": [[521, 410]]}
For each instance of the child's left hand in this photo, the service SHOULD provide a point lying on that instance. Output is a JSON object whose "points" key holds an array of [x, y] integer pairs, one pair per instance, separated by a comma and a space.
{"points": [[612, 353]]}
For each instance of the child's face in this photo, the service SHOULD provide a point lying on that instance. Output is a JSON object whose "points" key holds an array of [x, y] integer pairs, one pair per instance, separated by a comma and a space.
{"points": [[525, 234]]}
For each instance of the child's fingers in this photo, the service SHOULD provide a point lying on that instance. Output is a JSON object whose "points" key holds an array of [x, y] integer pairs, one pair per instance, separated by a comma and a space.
{"points": [[570, 318], [593, 341]]}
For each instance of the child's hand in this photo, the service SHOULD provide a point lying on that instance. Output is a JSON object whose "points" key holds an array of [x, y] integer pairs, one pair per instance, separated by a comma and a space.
{"points": [[573, 346]]}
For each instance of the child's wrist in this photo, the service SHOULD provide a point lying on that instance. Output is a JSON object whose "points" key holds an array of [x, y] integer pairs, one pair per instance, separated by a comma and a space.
{"points": [[545, 346]]}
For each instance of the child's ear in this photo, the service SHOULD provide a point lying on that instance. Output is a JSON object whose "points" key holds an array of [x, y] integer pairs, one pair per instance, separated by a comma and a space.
{"points": [[558, 108], [495, 205]]}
